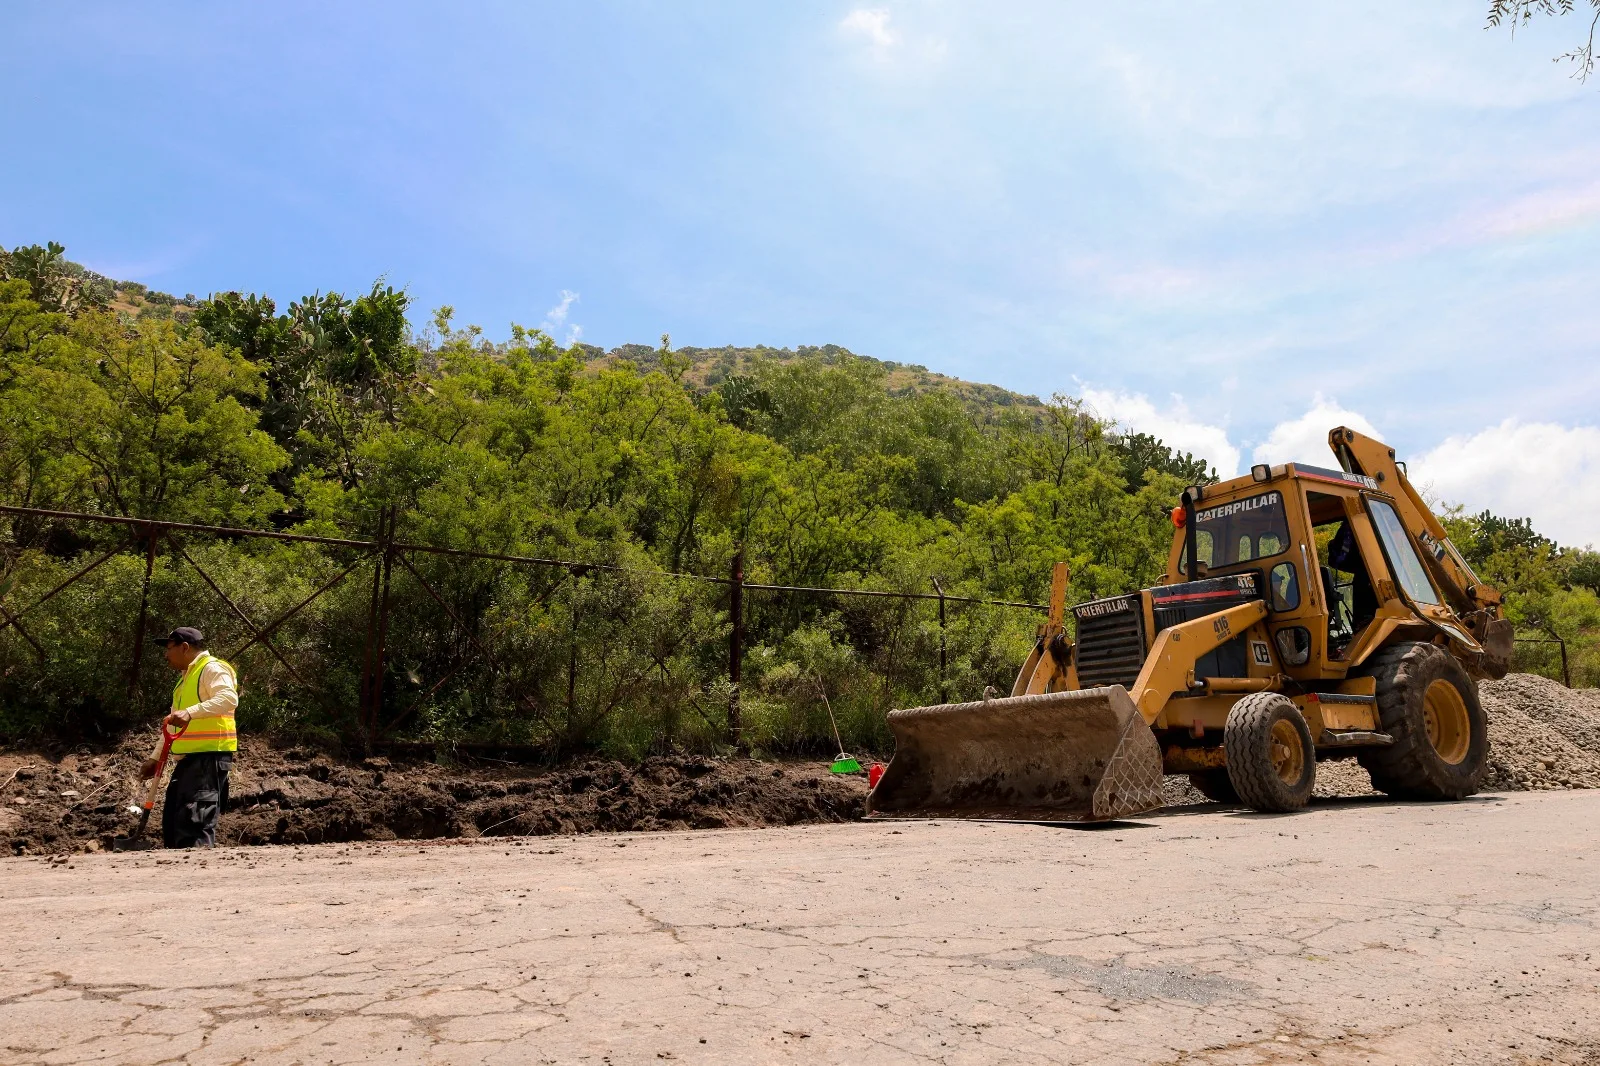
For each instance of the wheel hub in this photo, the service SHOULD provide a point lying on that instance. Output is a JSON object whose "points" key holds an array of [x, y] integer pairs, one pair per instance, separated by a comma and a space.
{"points": [[1449, 728], [1288, 754]]}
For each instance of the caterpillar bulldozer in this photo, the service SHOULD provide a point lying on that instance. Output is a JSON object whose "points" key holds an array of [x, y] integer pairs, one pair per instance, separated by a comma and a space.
{"points": [[1307, 613]]}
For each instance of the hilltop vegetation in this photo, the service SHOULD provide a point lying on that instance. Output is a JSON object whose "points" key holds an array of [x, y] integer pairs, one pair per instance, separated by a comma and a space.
{"points": [[825, 467]]}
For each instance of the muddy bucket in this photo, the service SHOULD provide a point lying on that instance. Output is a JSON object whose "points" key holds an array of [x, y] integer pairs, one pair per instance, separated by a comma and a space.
{"points": [[1084, 756]]}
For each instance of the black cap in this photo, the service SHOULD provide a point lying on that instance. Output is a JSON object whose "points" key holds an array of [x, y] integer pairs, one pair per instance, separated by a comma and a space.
{"points": [[183, 635]]}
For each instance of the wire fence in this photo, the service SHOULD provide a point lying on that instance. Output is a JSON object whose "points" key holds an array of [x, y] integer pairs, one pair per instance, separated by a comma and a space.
{"points": [[371, 635], [380, 638]]}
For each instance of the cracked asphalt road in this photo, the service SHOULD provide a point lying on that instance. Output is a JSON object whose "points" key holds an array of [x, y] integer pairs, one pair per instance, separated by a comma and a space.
{"points": [[1359, 932]]}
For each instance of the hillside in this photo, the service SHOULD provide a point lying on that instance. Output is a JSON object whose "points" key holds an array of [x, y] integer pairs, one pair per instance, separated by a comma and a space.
{"points": [[709, 367]]}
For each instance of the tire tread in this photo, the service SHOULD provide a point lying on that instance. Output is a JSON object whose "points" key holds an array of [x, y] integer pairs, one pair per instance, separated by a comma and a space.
{"points": [[1408, 768], [1247, 740]]}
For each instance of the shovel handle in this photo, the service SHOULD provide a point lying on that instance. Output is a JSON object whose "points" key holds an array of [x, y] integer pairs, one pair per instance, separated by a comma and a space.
{"points": [[168, 735]]}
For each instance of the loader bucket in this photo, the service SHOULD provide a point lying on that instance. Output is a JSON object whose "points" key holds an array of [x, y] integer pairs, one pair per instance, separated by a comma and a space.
{"points": [[1084, 756]]}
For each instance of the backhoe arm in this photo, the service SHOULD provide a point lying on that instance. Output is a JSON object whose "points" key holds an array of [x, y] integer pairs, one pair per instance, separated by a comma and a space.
{"points": [[1169, 668], [1360, 454]]}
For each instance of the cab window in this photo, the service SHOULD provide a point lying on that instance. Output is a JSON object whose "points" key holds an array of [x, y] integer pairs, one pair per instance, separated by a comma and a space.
{"points": [[1408, 568], [1284, 583], [1341, 572], [1241, 531]]}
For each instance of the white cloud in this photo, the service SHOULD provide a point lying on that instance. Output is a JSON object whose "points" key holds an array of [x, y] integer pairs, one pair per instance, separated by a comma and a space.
{"points": [[1305, 439], [1173, 424], [1539, 470], [887, 45], [872, 24], [555, 319]]}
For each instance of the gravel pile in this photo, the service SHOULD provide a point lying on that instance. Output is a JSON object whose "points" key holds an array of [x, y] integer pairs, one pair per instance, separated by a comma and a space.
{"points": [[1542, 735]]}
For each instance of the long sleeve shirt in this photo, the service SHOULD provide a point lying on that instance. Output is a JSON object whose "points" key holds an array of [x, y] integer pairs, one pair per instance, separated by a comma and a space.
{"points": [[218, 694]]}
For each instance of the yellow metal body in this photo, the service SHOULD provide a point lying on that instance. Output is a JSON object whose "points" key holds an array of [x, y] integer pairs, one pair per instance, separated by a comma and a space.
{"points": [[1016, 754]]}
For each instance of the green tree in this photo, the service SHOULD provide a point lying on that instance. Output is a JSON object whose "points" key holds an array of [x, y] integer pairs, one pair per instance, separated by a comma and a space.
{"points": [[1143, 455], [333, 369], [824, 468], [54, 282], [142, 420]]}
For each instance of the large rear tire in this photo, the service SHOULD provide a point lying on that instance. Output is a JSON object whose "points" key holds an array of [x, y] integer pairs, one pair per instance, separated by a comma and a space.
{"points": [[1272, 761], [1429, 704]]}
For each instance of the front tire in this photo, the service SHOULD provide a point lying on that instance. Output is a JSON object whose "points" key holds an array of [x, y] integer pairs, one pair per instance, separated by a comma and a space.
{"points": [[1429, 704], [1272, 761]]}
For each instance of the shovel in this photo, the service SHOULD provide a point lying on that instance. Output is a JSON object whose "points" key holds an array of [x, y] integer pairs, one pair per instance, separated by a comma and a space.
{"points": [[1077, 756], [163, 748]]}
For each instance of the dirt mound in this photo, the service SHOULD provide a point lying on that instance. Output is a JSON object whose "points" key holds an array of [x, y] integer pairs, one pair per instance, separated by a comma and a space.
{"points": [[1541, 736], [301, 797]]}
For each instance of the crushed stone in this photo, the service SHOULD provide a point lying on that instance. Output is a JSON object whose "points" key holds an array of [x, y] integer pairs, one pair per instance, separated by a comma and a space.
{"points": [[1542, 735]]}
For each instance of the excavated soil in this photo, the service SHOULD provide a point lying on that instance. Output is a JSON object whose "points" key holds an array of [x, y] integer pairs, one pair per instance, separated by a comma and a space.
{"points": [[79, 801], [1541, 736]]}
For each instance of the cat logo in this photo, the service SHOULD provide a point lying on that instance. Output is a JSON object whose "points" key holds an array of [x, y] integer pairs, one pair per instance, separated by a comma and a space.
{"points": [[1261, 653], [1100, 608]]}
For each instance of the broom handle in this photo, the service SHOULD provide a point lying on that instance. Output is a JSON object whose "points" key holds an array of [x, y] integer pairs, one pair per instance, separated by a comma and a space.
{"points": [[823, 692]]}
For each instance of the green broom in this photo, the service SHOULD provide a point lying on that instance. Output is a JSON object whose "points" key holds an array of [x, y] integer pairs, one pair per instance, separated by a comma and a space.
{"points": [[843, 763]]}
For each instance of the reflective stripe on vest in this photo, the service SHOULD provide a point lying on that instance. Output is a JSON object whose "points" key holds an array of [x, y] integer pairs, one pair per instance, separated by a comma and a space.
{"points": [[212, 733]]}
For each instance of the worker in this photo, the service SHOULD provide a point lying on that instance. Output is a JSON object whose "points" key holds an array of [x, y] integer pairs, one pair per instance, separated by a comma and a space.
{"points": [[203, 704]]}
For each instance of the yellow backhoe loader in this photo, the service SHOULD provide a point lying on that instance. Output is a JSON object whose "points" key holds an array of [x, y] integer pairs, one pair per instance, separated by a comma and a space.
{"points": [[1307, 613]]}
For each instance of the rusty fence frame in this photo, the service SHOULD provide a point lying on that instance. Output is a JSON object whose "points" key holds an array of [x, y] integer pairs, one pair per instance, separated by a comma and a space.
{"points": [[385, 553], [1566, 671]]}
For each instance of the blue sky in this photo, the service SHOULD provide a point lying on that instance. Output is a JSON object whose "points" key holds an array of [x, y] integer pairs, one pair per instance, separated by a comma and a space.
{"points": [[1232, 225]]}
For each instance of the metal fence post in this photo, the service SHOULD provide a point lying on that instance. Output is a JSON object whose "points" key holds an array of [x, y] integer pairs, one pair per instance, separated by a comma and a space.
{"points": [[377, 627], [570, 729], [944, 687], [1566, 673], [736, 648], [383, 624], [369, 645], [151, 539]]}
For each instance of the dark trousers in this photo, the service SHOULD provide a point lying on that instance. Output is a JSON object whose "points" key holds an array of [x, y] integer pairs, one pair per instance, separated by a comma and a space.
{"points": [[197, 795]]}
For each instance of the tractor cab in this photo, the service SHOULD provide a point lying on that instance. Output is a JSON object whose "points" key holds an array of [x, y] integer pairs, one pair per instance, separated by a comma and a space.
{"points": [[1337, 569]]}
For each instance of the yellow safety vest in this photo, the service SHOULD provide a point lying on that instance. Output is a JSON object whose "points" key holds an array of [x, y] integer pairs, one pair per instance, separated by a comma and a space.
{"points": [[212, 733]]}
